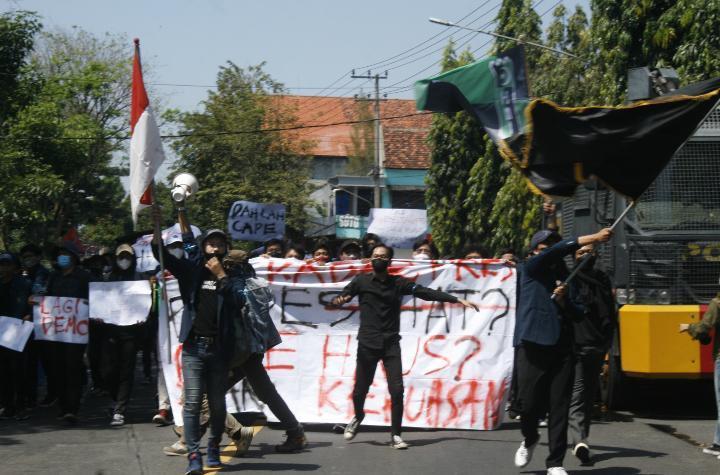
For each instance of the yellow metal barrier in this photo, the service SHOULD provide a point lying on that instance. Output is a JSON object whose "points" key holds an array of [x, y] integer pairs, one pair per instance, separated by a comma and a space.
{"points": [[650, 344]]}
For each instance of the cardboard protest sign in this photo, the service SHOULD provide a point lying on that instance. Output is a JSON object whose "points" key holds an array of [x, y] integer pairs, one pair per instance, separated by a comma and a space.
{"points": [[145, 261], [248, 221], [14, 333], [120, 303], [61, 319], [457, 363], [398, 228]]}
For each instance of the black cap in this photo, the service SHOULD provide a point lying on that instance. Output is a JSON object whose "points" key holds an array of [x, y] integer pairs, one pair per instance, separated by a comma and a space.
{"points": [[7, 257], [543, 236], [350, 242]]}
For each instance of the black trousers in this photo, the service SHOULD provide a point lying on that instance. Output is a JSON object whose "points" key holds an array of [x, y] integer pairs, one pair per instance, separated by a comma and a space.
{"points": [[68, 372], [545, 376], [119, 355], [96, 343], [46, 351], [256, 374], [367, 360], [12, 374]]}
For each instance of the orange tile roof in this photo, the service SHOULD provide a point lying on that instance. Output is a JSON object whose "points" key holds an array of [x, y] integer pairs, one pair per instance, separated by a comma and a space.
{"points": [[405, 138]]}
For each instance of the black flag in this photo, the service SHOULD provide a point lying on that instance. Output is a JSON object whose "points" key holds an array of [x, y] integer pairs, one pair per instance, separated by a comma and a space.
{"points": [[625, 147]]}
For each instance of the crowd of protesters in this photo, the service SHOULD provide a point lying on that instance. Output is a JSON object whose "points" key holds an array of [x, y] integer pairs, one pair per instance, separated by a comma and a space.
{"points": [[562, 333]]}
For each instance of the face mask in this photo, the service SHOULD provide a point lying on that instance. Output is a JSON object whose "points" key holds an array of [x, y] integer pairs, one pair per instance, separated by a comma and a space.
{"points": [[64, 261], [421, 257], [29, 262], [124, 264], [215, 254], [177, 252], [380, 265]]}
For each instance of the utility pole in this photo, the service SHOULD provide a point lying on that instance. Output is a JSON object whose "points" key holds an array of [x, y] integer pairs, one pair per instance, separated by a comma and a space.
{"points": [[376, 169]]}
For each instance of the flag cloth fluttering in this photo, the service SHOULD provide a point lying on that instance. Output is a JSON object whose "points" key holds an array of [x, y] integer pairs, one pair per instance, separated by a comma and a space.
{"points": [[146, 150], [556, 148]]}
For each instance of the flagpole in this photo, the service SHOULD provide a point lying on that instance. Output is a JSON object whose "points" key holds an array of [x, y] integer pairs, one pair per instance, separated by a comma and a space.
{"points": [[585, 259], [157, 237]]}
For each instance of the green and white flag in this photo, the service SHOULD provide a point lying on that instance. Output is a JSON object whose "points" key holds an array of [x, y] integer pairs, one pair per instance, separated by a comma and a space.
{"points": [[494, 90]]}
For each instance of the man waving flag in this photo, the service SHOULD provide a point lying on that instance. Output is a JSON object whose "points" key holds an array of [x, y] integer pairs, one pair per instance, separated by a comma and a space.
{"points": [[146, 152]]}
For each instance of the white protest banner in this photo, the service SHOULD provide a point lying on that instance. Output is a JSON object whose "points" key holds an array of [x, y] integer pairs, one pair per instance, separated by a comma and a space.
{"points": [[14, 333], [61, 319], [169, 348], [248, 221], [145, 261], [120, 303], [457, 363], [398, 228]]}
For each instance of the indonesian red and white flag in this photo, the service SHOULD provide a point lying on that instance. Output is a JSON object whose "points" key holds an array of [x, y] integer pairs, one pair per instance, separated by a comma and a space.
{"points": [[146, 151]]}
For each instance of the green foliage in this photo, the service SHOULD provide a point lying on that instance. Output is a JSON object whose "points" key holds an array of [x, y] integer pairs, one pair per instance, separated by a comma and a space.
{"points": [[457, 141], [264, 167], [56, 168], [361, 158], [17, 33]]}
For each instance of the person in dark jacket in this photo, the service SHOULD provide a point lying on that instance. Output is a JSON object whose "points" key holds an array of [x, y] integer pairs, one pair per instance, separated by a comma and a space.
{"points": [[14, 295], [121, 341], [37, 275], [543, 341], [593, 333], [67, 367], [210, 304], [380, 295]]}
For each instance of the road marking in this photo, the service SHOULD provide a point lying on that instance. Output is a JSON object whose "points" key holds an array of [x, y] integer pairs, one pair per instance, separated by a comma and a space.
{"points": [[228, 452]]}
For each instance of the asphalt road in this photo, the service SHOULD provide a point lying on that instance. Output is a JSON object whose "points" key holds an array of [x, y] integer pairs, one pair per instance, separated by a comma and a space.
{"points": [[661, 436]]}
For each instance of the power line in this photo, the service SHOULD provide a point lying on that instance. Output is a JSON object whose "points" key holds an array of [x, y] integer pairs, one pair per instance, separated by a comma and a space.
{"points": [[229, 132]]}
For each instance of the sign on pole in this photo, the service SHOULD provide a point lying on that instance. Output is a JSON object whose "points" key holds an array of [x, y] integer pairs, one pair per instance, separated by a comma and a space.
{"points": [[248, 221], [120, 303], [397, 227]]}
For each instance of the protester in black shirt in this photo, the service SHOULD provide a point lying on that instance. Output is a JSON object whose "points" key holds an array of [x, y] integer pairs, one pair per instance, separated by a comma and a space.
{"points": [[67, 367], [37, 275], [14, 293], [122, 341], [592, 291], [380, 296]]}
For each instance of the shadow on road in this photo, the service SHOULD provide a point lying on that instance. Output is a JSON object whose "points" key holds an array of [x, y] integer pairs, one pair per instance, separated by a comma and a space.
{"points": [[272, 467]]}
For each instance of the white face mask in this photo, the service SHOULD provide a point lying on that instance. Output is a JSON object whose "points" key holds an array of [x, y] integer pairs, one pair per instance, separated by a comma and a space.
{"points": [[177, 252], [421, 257], [124, 264]]}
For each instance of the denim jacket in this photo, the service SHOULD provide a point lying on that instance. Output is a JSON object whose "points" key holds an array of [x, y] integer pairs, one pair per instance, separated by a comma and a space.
{"points": [[188, 271]]}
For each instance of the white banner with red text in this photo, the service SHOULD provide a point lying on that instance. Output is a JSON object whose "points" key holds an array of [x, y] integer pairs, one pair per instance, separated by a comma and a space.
{"points": [[457, 363], [61, 319]]}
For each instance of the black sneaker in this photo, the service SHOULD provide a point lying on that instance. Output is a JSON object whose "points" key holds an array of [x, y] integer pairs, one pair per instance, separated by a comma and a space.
{"points": [[294, 442], [714, 449], [351, 429]]}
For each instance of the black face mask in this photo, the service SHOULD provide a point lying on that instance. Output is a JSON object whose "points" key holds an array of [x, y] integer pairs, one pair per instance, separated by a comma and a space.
{"points": [[591, 260], [219, 255], [380, 265]]}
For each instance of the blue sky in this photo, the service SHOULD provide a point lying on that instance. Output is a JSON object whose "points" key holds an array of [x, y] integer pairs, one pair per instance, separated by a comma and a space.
{"points": [[307, 44]]}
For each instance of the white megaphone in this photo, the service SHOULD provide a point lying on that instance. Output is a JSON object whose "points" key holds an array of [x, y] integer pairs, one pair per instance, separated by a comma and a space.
{"points": [[184, 185]]}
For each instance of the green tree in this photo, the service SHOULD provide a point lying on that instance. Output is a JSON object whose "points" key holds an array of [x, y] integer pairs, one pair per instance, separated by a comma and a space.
{"points": [[58, 148], [361, 158], [515, 213], [456, 142], [266, 167]]}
